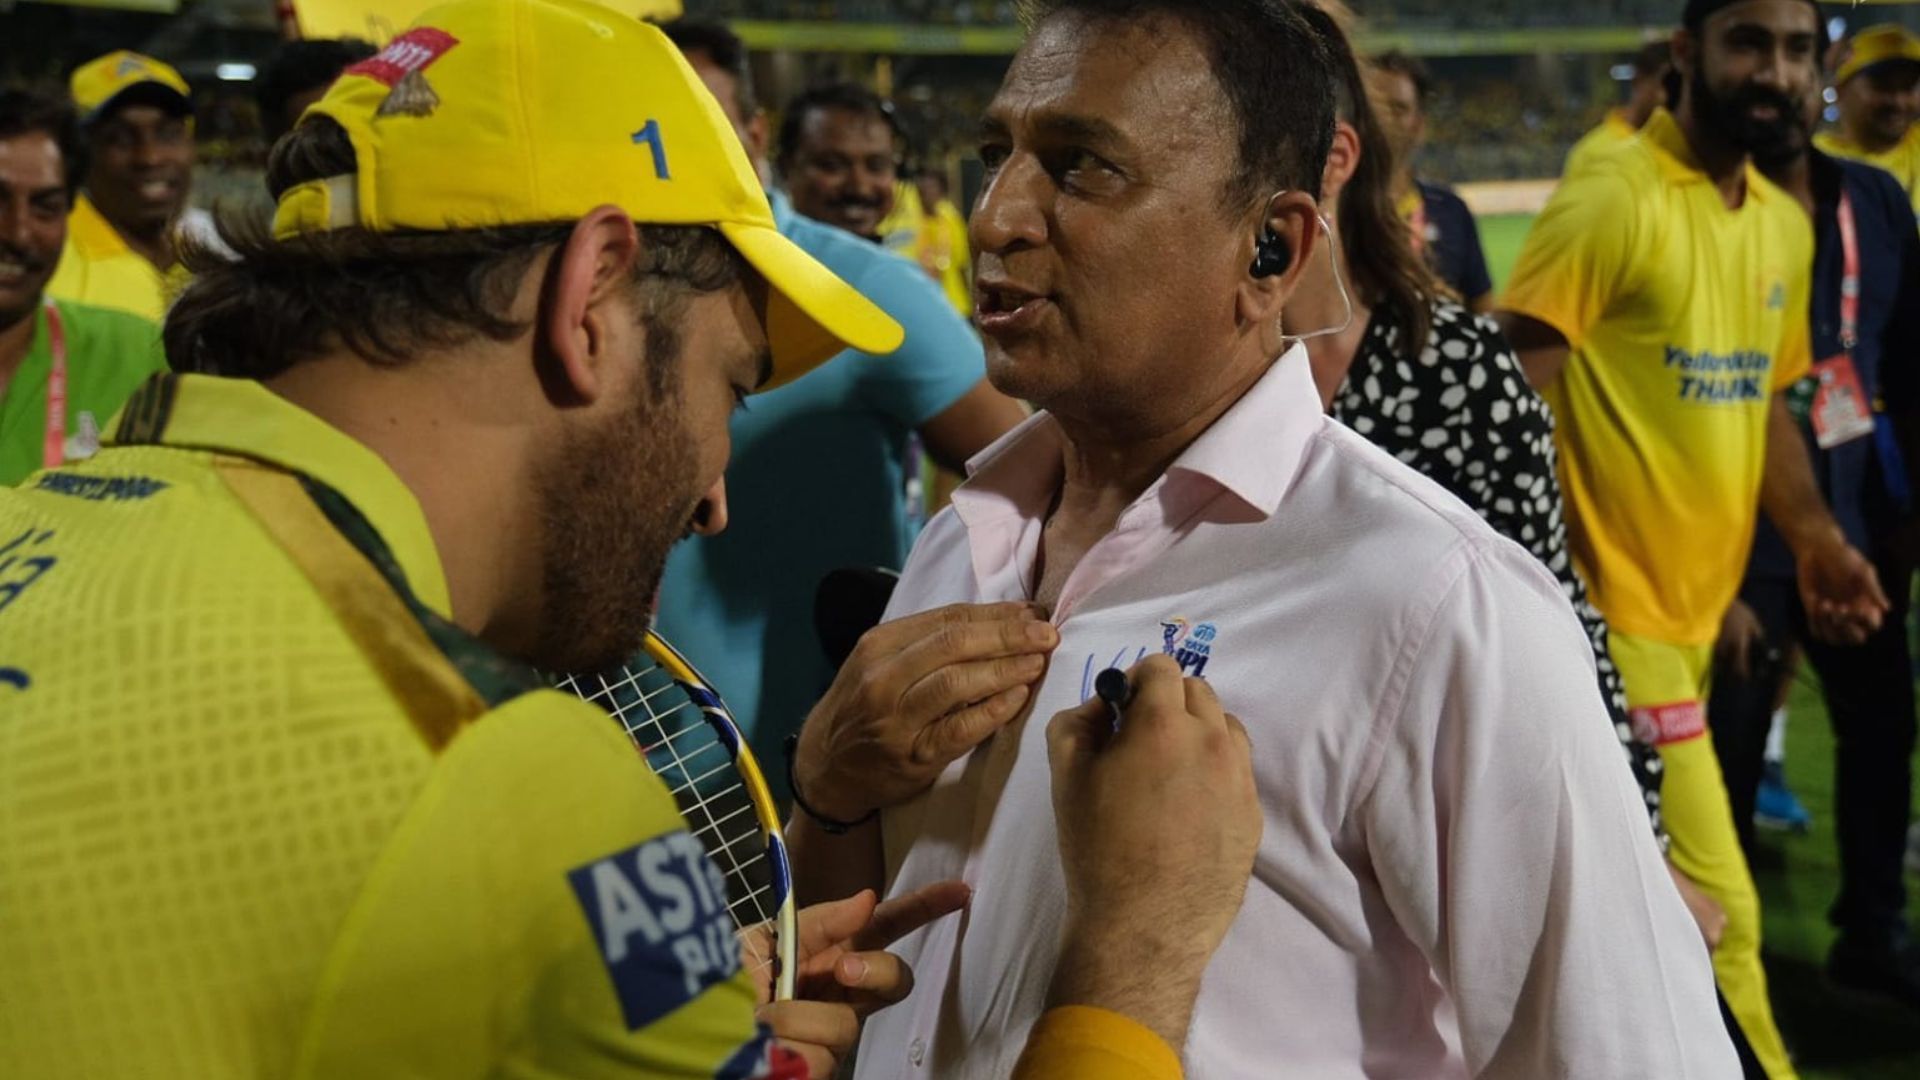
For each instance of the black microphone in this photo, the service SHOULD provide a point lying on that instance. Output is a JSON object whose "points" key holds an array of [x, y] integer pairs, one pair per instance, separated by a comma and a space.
{"points": [[849, 602]]}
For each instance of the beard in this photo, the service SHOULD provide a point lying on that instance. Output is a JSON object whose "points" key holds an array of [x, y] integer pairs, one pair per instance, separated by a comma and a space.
{"points": [[1777, 141], [614, 501]]}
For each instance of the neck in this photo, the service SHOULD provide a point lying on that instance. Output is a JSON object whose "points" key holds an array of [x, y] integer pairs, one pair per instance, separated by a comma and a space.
{"points": [[1316, 305], [15, 339], [1402, 182], [1638, 112], [1725, 164], [1795, 178], [1862, 136], [418, 420], [1110, 464], [154, 245], [151, 242]]}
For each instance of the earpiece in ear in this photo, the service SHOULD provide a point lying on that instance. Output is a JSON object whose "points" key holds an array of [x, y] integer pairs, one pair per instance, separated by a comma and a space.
{"points": [[1271, 256]]}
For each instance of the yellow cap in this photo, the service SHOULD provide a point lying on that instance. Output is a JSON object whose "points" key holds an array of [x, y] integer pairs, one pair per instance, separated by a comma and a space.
{"points": [[1876, 45], [513, 112], [98, 84]]}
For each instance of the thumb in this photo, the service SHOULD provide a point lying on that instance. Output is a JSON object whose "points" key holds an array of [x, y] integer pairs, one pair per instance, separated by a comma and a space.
{"points": [[1075, 734], [822, 926], [1871, 578]]}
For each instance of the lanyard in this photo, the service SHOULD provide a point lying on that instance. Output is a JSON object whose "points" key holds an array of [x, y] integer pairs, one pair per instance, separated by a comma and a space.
{"points": [[55, 450], [1849, 275]]}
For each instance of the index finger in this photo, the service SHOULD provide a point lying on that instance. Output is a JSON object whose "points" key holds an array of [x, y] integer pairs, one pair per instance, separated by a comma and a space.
{"points": [[903, 915], [995, 612], [1158, 686], [967, 632]]}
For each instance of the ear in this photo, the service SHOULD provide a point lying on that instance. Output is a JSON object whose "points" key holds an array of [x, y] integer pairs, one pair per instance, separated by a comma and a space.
{"points": [[1293, 217], [1686, 49], [594, 264], [756, 134], [1343, 158]]}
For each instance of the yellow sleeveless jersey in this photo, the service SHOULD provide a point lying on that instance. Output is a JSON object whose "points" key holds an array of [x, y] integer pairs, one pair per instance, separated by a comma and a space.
{"points": [[1684, 318], [265, 812]]}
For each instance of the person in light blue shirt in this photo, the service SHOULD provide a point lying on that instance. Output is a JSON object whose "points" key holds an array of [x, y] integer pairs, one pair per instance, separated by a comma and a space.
{"points": [[820, 468]]}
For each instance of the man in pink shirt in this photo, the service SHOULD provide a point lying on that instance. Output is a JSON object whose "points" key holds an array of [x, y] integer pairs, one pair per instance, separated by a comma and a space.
{"points": [[1455, 876]]}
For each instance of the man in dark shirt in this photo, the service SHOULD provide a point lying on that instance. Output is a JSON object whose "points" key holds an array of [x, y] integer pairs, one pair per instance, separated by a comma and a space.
{"points": [[1443, 228], [1856, 408]]}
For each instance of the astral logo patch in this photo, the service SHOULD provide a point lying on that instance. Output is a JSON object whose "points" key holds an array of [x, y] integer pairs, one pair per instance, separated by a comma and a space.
{"points": [[659, 915]]}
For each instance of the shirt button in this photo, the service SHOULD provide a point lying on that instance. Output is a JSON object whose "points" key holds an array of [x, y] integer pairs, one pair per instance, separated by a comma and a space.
{"points": [[917, 1051]]}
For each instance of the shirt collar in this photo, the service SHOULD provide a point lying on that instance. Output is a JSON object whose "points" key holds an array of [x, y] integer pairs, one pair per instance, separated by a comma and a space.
{"points": [[244, 418], [1680, 164], [92, 234], [1252, 452]]}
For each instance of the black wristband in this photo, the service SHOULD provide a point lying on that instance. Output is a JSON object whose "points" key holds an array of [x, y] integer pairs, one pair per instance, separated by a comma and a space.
{"points": [[833, 827]]}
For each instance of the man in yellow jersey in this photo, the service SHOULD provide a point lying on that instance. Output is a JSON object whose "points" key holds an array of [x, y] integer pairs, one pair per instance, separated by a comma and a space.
{"points": [[280, 794], [123, 239], [1660, 302], [942, 246], [1646, 92], [1878, 76]]}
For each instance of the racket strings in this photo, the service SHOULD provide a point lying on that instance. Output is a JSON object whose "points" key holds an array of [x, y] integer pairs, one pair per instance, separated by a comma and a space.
{"points": [[682, 748]]}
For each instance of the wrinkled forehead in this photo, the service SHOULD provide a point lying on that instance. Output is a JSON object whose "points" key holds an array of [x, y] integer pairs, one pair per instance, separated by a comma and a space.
{"points": [[1146, 81]]}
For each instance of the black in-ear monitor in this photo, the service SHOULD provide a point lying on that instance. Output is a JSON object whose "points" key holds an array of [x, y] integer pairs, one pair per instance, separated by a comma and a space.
{"points": [[1271, 255]]}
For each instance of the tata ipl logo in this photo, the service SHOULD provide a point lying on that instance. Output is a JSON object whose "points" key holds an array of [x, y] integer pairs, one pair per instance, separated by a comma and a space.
{"points": [[1190, 644]]}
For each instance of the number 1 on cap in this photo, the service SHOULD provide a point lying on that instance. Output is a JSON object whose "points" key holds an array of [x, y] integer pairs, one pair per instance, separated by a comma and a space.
{"points": [[651, 136]]}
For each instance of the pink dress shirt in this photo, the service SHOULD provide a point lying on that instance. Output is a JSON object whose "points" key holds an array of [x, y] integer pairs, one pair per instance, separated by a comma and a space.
{"points": [[1456, 876]]}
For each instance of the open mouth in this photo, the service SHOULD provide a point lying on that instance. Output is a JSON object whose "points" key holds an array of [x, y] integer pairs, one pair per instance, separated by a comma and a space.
{"points": [[157, 190], [1000, 307]]}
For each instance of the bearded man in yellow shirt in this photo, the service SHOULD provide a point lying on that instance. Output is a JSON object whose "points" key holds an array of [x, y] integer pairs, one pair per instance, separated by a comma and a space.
{"points": [[1660, 304], [280, 793]]}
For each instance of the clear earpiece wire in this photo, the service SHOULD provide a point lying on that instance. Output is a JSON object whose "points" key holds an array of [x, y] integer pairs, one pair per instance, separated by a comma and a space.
{"points": [[1339, 282]]}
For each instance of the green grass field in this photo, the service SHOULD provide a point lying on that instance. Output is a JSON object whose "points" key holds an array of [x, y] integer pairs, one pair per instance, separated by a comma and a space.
{"points": [[1833, 1036]]}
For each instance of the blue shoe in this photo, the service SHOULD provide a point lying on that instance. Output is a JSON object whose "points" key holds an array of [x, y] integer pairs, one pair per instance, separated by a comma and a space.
{"points": [[1777, 808]]}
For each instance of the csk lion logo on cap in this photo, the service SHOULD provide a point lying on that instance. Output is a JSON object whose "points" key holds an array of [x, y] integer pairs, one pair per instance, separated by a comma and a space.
{"points": [[401, 66]]}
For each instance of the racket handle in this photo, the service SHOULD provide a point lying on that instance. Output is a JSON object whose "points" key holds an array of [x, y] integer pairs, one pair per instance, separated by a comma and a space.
{"points": [[1114, 689]]}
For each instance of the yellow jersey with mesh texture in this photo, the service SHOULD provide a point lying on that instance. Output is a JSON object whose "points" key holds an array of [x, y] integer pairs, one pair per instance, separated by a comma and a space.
{"points": [[265, 812], [1611, 134], [1684, 317]]}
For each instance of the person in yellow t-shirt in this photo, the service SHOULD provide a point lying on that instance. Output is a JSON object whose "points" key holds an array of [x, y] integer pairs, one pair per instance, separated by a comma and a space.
{"points": [[1646, 92], [1878, 78], [942, 247], [1660, 303], [122, 239], [283, 755]]}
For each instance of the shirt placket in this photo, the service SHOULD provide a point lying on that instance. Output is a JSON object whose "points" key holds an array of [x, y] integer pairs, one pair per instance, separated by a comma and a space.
{"points": [[1143, 532]]}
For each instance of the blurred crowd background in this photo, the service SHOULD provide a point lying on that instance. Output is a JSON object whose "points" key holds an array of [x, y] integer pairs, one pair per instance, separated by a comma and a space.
{"points": [[1516, 83]]}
